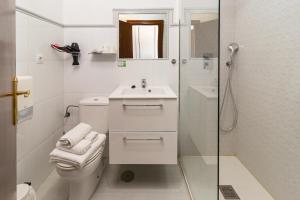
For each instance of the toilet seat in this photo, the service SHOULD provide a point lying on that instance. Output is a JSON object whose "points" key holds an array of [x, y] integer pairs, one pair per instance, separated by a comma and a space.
{"points": [[67, 167]]}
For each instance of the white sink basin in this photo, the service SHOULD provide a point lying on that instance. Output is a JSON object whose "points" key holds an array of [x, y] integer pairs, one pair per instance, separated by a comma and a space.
{"points": [[141, 91], [123, 92]]}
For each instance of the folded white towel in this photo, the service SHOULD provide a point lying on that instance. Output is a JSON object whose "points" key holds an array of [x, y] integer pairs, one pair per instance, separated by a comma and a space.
{"points": [[74, 136], [81, 148], [78, 161], [91, 136]]}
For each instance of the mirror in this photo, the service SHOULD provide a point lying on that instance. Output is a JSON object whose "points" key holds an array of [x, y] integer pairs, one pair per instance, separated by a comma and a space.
{"points": [[143, 36], [204, 35]]}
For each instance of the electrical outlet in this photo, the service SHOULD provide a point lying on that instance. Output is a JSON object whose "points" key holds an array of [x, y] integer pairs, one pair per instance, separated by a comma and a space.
{"points": [[39, 59]]}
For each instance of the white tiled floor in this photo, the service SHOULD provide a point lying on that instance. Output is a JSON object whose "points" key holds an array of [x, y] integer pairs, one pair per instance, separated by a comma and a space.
{"points": [[166, 182], [150, 183], [233, 172]]}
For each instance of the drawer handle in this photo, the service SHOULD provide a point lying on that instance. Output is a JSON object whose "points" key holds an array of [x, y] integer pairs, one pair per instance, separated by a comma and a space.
{"points": [[142, 105], [125, 139]]}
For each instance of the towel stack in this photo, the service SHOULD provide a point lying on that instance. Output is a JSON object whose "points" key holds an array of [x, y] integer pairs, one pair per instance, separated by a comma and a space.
{"points": [[77, 146]]}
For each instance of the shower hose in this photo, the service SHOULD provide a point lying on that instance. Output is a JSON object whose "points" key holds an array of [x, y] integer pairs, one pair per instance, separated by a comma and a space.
{"points": [[228, 93]]}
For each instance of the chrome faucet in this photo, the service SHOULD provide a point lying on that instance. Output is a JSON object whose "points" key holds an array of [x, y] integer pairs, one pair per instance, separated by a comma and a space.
{"points": [[144, 83]]}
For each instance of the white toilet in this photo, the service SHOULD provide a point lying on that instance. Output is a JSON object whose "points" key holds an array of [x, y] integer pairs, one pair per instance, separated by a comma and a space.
{"points": [[83, 182], [25, 192]]}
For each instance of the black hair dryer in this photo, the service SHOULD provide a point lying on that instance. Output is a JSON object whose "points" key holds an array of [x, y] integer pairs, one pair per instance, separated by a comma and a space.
{"points": [[75, 53]]}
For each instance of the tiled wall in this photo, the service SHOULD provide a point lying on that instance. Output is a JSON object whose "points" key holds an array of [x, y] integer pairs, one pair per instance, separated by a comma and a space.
{"points": [[36, 137], [269, 93], [227, 36]]}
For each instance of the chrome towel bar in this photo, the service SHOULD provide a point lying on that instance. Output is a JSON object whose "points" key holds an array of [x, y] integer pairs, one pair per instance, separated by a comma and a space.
{"points": [[142, 105], [142, 139]]}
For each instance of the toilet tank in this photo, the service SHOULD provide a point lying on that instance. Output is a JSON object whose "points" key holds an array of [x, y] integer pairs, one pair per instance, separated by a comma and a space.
{"points": [[94, 111]]}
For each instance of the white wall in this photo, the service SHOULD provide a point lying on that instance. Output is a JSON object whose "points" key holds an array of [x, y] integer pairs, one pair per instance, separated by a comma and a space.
{"points": [[99, 12], [99, 74], [36, 137], [196, 4], [51, 9], [269, 93]]}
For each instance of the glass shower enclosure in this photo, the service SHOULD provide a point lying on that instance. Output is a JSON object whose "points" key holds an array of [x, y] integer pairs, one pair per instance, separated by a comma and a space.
{"points": [[198, 122]]}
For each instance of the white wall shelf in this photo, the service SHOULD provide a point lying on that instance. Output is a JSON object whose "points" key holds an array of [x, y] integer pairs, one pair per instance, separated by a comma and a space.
{"points": [[103, 51]]}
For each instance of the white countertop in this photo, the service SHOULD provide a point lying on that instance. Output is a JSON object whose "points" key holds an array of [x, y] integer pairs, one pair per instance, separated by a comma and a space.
{"points": [[151, 92]]}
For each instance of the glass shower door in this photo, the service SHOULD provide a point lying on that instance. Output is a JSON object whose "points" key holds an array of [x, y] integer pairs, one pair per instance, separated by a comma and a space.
{"points": [[198, 125]]}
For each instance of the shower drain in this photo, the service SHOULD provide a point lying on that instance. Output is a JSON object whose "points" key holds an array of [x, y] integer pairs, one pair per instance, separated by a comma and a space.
{"points": [[127, 176], [229, 192]]}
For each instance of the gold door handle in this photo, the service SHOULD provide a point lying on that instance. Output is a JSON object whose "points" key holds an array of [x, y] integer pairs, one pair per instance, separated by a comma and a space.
{"points": [[25, 93], [14, 94]]}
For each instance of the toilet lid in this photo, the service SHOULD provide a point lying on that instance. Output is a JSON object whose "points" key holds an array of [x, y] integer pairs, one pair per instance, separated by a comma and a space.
{"points": [[94, 101], [22, 191]]}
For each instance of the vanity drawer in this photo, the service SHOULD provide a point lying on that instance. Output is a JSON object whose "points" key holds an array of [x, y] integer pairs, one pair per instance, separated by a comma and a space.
{"points": [[143, 115], [143, 148]]}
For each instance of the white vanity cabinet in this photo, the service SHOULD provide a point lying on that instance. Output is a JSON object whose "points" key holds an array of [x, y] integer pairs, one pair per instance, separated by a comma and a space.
{"points": [[143, 115], [143, 130], [143, 148]]}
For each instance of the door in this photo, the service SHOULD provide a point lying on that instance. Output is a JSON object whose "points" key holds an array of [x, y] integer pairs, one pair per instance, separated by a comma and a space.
{"points": [[125, 40], [153, 23], [7, 129], [129, 43]]}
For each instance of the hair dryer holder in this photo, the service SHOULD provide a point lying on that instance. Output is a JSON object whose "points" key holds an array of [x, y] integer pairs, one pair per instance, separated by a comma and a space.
{"points": [[73, 50]]}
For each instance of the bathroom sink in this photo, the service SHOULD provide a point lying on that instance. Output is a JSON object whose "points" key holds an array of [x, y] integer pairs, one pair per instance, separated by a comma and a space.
{"points": [[141, 91], [123, 92]]}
